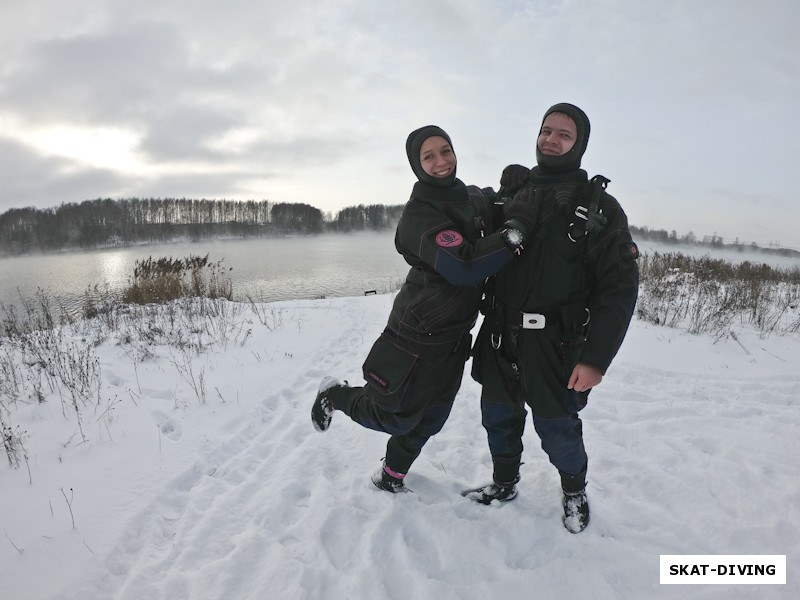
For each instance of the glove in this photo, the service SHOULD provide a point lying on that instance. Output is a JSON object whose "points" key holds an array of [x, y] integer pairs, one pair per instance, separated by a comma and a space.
{"points": [[514, 234], [513, 178], [524, 208]]}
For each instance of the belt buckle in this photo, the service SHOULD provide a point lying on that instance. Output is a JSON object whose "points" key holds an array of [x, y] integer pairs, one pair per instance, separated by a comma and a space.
{"points": [[533, 321]]}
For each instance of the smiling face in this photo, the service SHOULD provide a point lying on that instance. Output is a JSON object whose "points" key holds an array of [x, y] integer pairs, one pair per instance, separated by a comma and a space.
{"points": [[558, 134], [437, 157]]}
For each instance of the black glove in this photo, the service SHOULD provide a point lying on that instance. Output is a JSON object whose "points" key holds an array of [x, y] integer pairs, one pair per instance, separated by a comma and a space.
{"points": [[524, 208], [514, 234], [513, 178]]}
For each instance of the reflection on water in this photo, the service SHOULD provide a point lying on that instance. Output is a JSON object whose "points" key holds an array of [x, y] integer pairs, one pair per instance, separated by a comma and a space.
{"points": [[266, 269], [114, 267]]}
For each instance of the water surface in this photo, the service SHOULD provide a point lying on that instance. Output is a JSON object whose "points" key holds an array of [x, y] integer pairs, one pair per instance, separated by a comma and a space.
{"points": [[267, 269]]}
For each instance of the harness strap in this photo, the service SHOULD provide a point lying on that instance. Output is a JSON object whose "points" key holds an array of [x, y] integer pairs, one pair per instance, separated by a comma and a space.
{"points": [[594, 217], [591, 216]]}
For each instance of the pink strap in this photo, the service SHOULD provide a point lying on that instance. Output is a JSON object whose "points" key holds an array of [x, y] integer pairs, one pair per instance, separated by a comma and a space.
{"points": [[392, 473]]}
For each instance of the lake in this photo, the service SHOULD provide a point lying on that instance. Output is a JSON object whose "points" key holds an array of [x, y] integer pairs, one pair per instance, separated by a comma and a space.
{"points": [[267, 269]]}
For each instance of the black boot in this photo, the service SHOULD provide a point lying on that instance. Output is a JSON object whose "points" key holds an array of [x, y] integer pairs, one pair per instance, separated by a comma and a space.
{"points": [[576, 511], [502, 492], [322, 410], [389, 481]]}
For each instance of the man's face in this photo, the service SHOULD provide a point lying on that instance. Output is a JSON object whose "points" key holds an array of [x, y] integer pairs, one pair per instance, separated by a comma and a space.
{"points": [[558, 135]]}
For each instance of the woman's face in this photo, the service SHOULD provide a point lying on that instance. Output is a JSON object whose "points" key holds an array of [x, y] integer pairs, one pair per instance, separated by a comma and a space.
{"points": [[437, 157], [558, 134]]}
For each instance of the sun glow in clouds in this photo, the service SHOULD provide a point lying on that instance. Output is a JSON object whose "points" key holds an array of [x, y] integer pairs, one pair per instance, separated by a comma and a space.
{"points": [[100, 147]]}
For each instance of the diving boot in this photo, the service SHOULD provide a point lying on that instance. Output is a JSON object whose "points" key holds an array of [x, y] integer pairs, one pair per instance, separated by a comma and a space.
{"points": [[322, 410], [389, 481], [576, 511], [502, 492]]}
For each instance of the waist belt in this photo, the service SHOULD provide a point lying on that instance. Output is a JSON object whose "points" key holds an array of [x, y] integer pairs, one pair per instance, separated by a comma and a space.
{"points": [[514, 320], [532, 320]]}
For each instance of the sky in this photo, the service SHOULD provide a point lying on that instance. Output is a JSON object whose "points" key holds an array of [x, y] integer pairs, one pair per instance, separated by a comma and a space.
{"points": [[692, 104], [200, 476]]}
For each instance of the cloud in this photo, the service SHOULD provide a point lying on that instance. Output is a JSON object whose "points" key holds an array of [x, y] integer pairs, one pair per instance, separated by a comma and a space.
{"points": [[113, 75], [30, 179], [311, 101]]}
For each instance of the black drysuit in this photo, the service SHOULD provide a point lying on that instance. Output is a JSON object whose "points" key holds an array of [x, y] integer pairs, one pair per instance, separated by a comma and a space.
{"points": [[584, 288], [415, 368]]}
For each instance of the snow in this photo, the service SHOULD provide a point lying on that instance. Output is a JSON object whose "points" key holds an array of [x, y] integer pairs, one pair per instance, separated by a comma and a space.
{"points": [[692, 442]]}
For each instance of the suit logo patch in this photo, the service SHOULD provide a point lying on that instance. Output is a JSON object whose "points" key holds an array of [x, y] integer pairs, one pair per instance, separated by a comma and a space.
{"points": [[629, 251], [448, 238]]}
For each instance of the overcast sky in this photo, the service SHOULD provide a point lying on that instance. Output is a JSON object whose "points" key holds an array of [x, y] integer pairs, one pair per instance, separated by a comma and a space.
{"points": [[693, 104]]}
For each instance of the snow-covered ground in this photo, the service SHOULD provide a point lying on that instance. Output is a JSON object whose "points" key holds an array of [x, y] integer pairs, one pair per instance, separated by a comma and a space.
{"points": [[693, 449]]}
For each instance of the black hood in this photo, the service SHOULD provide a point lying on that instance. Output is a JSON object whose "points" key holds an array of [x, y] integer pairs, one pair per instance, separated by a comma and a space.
{"points": [[570, 161], [413, 144]]}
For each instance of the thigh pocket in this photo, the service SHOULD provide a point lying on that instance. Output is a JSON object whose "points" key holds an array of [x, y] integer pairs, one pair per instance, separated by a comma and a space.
{"points": [[388, 371]]}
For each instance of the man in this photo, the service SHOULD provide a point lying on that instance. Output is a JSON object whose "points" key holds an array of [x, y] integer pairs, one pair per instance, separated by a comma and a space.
{"points": [[559, 315]]}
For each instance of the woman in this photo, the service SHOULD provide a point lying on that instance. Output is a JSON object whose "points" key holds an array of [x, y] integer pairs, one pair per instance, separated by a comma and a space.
{"points": [[414, 369]]}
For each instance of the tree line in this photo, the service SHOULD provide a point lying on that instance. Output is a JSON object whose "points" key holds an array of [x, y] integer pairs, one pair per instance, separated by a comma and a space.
{"points": [[107, 222], [713, 241]]}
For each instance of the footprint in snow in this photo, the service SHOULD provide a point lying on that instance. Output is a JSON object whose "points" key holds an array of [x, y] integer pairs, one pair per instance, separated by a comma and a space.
{"points": [[168, 427]]}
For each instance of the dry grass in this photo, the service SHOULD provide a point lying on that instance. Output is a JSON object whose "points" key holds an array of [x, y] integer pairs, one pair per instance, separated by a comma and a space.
{"points": [[705, 295], [166, 279]]}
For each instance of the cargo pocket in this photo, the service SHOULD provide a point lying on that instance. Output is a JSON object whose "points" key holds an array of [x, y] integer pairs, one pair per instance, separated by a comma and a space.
{"points": [[388, 371]]}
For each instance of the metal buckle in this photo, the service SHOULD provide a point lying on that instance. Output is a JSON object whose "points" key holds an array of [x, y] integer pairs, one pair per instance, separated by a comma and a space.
{"points": [[582, 212], [533, 321], [497, 339]]}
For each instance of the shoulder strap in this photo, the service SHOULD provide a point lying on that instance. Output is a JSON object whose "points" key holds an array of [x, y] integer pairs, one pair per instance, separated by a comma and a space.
{"points": [[593, 219], [481, 220]]}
